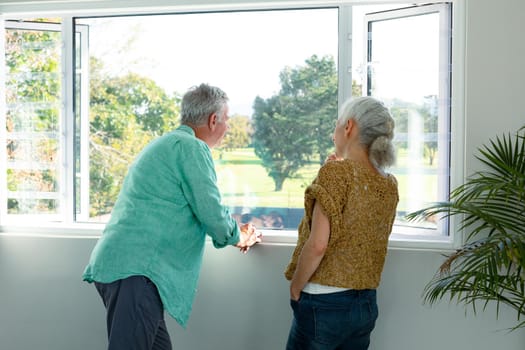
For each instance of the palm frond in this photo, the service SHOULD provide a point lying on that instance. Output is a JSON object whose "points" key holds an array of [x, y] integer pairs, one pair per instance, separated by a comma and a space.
{"points": [[490, 266]]}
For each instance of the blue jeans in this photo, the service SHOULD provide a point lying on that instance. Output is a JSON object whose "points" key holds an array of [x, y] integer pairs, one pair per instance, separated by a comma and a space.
{"points": [[342, 320], [135, 315]]}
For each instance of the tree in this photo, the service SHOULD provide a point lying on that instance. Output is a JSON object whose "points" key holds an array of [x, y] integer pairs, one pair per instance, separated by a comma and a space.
{"points": [[429, 111], [427, 114], [310, 95], [126, 112], [293, 126], [239, 134], [357, 89], [400, 111], [32, 89], [278, 140]]}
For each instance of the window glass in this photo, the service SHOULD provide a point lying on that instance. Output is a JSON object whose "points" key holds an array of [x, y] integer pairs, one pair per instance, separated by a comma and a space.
{"points": [[33, 114], [278, 69], [281, 74], [408, 67]]}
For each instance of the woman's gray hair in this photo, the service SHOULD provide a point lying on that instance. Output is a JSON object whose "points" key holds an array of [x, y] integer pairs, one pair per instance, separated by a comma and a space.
{"points": [[200, 102], [376, 128]]}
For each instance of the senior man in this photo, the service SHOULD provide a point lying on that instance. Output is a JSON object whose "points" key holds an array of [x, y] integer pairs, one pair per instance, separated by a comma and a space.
{"points": [[150, 253]]}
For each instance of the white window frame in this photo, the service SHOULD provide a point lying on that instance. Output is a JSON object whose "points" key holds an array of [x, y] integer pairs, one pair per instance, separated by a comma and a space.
{"points": [[71, 229], [61, 195], [3, 131], [442, 226], [457, 157], [82, 213]]}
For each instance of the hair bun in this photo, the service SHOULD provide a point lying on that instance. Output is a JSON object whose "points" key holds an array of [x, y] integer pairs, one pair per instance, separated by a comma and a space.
{"points": [[381, 142], [382, 151]]}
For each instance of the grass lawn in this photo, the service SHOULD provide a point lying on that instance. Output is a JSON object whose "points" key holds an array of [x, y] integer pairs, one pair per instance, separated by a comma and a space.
{"points": [[245, 183]]}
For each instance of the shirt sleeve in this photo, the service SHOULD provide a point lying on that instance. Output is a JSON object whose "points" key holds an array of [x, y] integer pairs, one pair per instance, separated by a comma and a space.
{"points": [[199, 185]]}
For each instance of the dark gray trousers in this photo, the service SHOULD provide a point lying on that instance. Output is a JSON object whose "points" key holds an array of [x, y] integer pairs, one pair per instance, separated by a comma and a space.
{"points": [[135, 315]]}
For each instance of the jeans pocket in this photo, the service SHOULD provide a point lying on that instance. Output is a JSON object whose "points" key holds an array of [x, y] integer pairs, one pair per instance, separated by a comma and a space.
{"points": [[365, 319], [294, 304], [331, 324], [373, 311]]}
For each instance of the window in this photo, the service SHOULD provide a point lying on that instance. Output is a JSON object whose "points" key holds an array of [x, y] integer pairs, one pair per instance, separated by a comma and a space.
{"points": [[412, 46], [285, 78], [33, 108], [139, 67]]}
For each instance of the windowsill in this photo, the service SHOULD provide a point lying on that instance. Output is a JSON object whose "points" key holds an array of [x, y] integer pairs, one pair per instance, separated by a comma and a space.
{"points": [[397, 241], [58, 230]]}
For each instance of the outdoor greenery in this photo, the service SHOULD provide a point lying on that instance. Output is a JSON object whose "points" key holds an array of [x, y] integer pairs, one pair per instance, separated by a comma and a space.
{"points": [[490, 205], [33, 102], [294, 127], [243, 179], [403, 111], [126, 112], [283, 143], [239, 134]]}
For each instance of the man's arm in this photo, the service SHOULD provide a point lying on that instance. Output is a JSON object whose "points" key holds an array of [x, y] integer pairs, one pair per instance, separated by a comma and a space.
{"points": [[199, 185]]}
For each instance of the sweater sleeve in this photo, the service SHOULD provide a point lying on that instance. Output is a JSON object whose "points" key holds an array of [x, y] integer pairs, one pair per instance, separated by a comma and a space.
{"points": [[328, 190]]}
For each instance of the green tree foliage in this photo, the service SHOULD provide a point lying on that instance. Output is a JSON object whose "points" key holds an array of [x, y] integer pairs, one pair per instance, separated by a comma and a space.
{"points": [[126, 112], [430, 116], [32, 59], [427, 111], [310, 95], [239, 135], [357, 90], [278, 140], [293, 126], [399, 112]]}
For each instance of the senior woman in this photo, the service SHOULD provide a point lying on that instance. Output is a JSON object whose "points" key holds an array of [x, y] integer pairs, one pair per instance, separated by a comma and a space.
{"points": [[342, 244]]}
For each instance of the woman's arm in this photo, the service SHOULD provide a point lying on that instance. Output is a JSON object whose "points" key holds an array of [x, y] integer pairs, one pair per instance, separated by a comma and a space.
{"points": [[312, 253]]}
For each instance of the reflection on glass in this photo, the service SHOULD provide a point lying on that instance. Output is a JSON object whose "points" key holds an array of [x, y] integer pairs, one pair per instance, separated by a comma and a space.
{"points": [[404, 72]]}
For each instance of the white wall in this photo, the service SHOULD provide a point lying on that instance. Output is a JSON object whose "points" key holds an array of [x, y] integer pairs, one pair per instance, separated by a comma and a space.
{"points": [[495, 71], [242, 302]]}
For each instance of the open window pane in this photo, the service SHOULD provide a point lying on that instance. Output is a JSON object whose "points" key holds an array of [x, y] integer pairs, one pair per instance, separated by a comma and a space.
{"points": [[33, 113], [408, 67], [130, 72]]}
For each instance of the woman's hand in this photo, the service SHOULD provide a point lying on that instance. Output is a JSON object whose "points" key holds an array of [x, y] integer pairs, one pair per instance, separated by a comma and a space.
{"points": [[295, 293], [332, 156]]}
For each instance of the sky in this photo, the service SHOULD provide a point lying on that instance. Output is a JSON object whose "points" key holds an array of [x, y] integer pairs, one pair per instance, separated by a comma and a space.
{"points": [[244, 52], [241, 53]]}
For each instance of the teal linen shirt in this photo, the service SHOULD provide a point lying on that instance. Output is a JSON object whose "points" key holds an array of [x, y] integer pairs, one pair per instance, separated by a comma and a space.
{"points": [[168, 203]]}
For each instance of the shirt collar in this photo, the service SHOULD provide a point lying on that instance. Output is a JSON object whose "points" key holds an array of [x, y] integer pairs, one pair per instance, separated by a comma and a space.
{"points": [[186, 129]]}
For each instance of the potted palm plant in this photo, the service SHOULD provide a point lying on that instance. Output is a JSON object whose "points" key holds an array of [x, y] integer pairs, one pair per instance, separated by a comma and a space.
{"points": [[490, 264]]}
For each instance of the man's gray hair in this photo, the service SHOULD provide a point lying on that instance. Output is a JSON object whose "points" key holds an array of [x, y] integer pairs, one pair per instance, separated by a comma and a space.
{"points": [[376, 128], [200, 102]]}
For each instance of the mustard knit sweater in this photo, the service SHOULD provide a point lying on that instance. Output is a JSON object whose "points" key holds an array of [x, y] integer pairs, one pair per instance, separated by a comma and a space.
{"points": [[361, 207]]}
